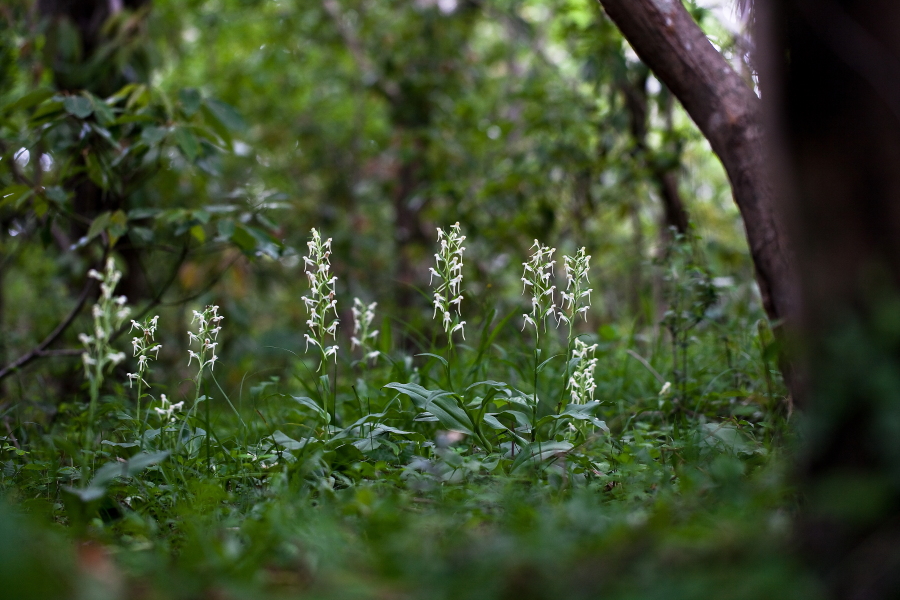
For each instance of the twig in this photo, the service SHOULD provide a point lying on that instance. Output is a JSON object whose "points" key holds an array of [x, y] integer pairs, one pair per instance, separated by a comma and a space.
{"points": [[39, 350], [644, 362]]}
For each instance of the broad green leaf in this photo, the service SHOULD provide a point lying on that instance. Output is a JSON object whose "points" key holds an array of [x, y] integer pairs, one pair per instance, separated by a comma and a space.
{"points": [[99, 224], [225, 114], [198, 233], [447, 410], [288, 443], [15, 195], [142, 460], [419, 395], [78, 106], [190, 100], [310, 403], [243, 239], [57, 195], [30, 99], [95, 170], [102, 112], [187, 142], [153, 135], [538, 452]]}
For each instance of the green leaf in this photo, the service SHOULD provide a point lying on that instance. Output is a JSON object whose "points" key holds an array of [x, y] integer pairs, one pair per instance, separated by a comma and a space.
{"points": [[243, 239], [30, 99], [497, 385], [523, 420], [153, 135], [57, 195], [95, 170], [98, 225], [187, 142], [78, 106], [226, 114], [419, 395], [190, 101], [198, 233], [142, 460], [102, 112], [440, 358], [15, 195], [447, 410], [288, 443], [544, 364], [312, 404], [118, 225], [538, 452]]}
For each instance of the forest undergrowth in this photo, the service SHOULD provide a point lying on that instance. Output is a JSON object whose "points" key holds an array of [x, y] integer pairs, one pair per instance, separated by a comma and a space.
{"points": [[534, 454]]}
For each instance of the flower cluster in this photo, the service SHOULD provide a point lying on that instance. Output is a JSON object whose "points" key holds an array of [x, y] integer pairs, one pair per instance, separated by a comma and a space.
{"points": [[362, 321], [573, 298], [109, 313], [448, 270], [321, 298], [538, 276], [581, 383], [144, 347], [208, 328], [167, 410]]}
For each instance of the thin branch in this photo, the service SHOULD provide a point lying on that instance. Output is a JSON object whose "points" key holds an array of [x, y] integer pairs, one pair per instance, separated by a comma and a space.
{"points": [[646, 364], [39, 350]]}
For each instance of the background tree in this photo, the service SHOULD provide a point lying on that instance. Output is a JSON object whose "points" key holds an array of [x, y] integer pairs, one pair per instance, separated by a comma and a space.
{"points": [[726, 110]]}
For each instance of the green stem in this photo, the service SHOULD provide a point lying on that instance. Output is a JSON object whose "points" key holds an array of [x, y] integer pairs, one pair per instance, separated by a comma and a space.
{"points": [[208, 430], [537, 338], [138, 414]]}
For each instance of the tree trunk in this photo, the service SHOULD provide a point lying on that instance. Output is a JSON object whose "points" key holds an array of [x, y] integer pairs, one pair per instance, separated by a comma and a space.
{"points": [[831, 80], [726, 110]]}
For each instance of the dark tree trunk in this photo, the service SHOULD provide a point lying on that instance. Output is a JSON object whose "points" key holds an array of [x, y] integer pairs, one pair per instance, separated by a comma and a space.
{"points": [[726, 110], [831, 80]]}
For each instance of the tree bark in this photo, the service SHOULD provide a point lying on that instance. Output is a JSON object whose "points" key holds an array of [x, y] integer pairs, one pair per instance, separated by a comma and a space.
{"points": [[727, 112], [831, 82]]}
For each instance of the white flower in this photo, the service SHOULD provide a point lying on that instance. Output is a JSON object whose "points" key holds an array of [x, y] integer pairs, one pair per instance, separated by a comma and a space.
{"points": [[322, 297], [577, 268], [581, 384], [537, 275], [448, 270]]}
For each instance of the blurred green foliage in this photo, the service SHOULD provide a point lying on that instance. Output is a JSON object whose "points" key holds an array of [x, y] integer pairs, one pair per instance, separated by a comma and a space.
{"points": [[197, 143]]}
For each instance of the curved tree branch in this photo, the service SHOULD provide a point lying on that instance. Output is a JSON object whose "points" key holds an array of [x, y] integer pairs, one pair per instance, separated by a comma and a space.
{"points": [[41, 349], [666, 38]]}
